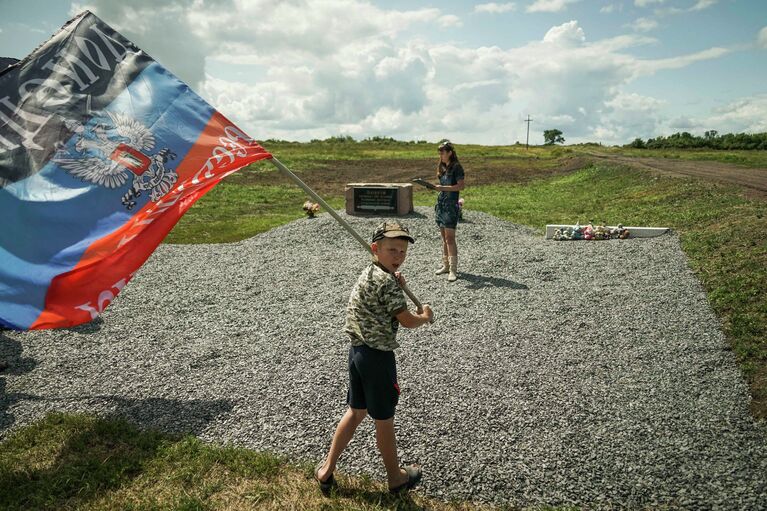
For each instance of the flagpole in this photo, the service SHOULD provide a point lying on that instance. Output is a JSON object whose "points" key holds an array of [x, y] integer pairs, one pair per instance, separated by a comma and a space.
{"points": [[286, 171]]}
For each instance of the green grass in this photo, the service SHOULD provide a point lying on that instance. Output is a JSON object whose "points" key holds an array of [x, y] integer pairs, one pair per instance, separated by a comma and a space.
{"points": [[86, 463], [607, 193], [757, 159], [302, 156], [75, 461], [231, 212]]}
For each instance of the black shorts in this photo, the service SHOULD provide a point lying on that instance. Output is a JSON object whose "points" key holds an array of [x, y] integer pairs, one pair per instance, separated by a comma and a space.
{"points": [[373, 381]]}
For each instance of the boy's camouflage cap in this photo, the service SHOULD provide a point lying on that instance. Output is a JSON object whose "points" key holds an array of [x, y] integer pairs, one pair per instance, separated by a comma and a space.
{"points": [[391, 230]]}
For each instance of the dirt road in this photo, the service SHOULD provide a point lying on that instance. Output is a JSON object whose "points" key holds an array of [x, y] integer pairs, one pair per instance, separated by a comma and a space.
{"points": [[332, 175], [753, 179]]}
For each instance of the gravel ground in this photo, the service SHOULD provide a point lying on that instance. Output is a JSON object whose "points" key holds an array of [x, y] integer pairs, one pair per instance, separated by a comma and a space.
{"points": [[584, 373]]}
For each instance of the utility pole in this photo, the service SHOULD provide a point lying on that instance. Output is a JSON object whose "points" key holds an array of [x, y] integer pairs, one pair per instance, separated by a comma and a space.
{"points": [[528, 121]]}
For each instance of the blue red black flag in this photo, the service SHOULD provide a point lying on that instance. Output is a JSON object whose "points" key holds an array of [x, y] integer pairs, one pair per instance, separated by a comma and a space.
{"points": [[101, 151]]}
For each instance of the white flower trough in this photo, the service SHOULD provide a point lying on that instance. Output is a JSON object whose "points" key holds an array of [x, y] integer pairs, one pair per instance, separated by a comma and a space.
{"points": [[634, 232]]}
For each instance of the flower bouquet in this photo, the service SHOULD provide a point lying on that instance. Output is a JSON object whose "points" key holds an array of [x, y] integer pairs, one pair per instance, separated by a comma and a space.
{"points": [[311, 208]]}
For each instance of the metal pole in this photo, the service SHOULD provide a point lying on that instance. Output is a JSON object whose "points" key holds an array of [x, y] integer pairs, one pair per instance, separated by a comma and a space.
{"points": [[286, 171], [527, 141]]}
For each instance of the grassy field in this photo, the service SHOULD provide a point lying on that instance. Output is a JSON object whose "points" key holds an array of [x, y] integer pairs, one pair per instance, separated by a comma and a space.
{"points": [[231, 212], [300, 156], [756, 159], [86, 463]]}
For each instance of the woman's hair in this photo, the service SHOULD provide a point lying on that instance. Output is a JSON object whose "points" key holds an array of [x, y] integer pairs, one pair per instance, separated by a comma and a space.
{"points": [[447, 146]]}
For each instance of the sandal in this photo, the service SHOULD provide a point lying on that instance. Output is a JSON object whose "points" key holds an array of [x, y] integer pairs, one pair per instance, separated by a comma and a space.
{"points": [[414, 475], [327, 484]]}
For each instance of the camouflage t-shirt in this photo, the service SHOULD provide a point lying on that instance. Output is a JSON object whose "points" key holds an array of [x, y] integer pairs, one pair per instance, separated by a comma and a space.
{"points": [[370, 316]]}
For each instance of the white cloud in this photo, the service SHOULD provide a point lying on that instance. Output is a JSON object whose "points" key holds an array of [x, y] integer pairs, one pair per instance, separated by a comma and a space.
{"points": [[700, 5], [567, 34], [153, 33], [683, 123], [450, 20], [493, 7], [703, 4], [549, 5], [627, 116], [606, 9], [761, 39], [645, 3], [623, 42], [744, 115], [748, 114], [647, 67], [303, 69], [643, 24], [225, 29]]}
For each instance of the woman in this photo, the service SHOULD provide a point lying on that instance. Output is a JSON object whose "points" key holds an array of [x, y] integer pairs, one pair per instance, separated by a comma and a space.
{"points": [[450, 175]]}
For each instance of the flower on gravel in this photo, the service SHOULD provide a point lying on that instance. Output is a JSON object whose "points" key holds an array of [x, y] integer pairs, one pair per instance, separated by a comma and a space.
{"points": [[311, 208]]}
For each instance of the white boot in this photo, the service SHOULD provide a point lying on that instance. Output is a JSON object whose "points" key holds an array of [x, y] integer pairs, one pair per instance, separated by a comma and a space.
{"points": [[453, 263], [445, 267]]}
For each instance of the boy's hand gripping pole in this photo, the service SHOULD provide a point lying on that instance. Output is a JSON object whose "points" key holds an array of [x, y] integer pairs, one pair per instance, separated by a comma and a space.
{"points": [[286, 171]]}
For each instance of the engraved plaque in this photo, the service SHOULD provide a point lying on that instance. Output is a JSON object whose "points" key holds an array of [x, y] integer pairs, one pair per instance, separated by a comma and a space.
{"points": [[375, 200]]}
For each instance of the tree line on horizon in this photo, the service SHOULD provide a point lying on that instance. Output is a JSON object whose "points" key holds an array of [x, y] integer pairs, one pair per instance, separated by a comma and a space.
{"points": [[681, 140], [348, 139], [710, 140]]}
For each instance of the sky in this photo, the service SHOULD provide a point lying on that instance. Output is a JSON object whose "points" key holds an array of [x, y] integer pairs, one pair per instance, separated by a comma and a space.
{"points": [[605, 71]]}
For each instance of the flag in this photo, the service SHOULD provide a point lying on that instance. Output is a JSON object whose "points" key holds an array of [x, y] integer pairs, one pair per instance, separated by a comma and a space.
{"points": [[101, 151]]}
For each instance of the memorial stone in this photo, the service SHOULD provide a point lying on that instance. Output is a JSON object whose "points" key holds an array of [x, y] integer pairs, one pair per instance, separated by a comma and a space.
{"points": [[388, 199]]}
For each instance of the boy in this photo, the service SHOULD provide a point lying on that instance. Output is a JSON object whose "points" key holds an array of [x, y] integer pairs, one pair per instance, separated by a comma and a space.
{"points": [[376, 308]]}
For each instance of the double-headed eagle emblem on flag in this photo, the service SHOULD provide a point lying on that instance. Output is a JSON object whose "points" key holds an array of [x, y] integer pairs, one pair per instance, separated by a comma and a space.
{"points": [[109, 152], [92, 178]]}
